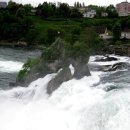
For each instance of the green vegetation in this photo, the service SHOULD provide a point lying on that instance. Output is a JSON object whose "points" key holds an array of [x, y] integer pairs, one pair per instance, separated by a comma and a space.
{"points": [[117, 31], [26, 68], [43, 24]]}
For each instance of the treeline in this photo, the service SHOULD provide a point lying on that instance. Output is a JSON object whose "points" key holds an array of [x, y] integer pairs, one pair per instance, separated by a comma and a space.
{"points": [[62, 10], [14, 21], [43, 24]]}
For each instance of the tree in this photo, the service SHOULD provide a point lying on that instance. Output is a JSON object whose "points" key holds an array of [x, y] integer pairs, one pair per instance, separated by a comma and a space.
{"points": [[63, 10], [112, 13], [20, 12], [75, 5], [46, 9], [75, 13], [13, 7], [78, 5], [83, 4], [116, 31], [28, 8]]}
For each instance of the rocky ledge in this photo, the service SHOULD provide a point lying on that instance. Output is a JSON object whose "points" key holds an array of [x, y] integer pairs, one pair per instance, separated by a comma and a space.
{"points": [[53, 59]]}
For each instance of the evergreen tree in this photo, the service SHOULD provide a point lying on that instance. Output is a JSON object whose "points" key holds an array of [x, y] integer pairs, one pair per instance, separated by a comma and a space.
{"points": [[116, 31], [75, 5], [83, 4]]}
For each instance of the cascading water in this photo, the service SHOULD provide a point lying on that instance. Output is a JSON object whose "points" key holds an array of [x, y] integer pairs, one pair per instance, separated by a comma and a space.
{"points": [[76, 105]]}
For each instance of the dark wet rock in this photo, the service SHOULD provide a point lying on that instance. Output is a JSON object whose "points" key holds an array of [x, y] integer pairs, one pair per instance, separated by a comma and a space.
{"points": [[60, 61], [106, 58], [94, 67], [62, 76], [110, 88], [119, 66], [81, 68]]}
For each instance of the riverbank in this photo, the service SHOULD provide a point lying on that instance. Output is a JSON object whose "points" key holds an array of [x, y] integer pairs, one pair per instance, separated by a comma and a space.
{"points": [[20, 44]]}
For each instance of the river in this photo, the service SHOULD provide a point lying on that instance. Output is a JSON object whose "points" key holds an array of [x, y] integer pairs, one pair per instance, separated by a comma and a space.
{"points": [[11, 61], [98, 102]]}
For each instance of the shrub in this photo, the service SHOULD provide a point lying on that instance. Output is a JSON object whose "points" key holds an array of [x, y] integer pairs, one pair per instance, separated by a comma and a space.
{"points": [[51, 35], [26, 68]]}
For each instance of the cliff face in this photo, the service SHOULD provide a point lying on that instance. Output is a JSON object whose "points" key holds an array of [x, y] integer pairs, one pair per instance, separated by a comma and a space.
{"points": [[52, 60]]}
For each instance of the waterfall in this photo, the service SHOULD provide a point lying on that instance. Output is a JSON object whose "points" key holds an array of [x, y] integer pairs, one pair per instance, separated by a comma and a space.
{"points": [[76, 105]]}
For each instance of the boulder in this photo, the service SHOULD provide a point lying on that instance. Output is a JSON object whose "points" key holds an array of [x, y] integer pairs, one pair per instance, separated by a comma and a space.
{"points": [[106, 58], [119, 66], [62, 76], [81, 68], [59, 59]]}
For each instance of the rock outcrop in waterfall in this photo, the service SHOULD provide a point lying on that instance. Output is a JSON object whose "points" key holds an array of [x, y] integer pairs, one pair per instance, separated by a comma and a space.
{"points": [[58, 57]]}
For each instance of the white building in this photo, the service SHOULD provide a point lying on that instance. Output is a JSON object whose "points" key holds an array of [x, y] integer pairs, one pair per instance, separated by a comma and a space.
{"points": [[89, 14], [3, 4]]}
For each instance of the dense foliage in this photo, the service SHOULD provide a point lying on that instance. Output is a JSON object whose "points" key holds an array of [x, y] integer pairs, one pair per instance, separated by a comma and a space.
{"points": [[14, 22], [26, 68], [117, 31], [43, 24]]}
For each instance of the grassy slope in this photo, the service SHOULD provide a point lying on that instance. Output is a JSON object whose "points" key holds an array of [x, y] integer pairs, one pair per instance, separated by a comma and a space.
{"points": [[67, 25], [64, 26]]}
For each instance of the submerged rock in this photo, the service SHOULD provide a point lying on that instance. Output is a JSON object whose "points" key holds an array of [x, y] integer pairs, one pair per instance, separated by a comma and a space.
{"points": [[119, 66], [106, 58]]}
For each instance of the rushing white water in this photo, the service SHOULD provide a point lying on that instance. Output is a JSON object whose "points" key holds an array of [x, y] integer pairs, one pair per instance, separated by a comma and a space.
{"points": [[11, 61], [77, 105], [10, 66]]}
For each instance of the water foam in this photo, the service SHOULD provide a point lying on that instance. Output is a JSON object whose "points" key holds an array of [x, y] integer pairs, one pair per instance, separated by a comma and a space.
{"points": [[75, 105], [31, 108], [10, 66], [120, 59]]}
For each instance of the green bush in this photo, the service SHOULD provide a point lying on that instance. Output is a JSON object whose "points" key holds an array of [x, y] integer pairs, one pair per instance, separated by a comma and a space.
{"points": [[76, 31], [51, 35], [32, 36], [26, 68], [118, 43]]}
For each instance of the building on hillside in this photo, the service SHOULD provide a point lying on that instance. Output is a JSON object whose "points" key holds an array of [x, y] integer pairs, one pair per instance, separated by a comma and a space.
{"points": [[123, 8], [125, 34], [103, 32], [89, 14], [3, 4]]}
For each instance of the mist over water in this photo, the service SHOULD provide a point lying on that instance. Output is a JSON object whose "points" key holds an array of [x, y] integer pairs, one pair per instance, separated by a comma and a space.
{"points": [[77, 105]]}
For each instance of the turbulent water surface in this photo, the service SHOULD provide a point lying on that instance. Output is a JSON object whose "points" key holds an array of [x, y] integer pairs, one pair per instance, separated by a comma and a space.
{"points": [[84, 104], [11, 61]]}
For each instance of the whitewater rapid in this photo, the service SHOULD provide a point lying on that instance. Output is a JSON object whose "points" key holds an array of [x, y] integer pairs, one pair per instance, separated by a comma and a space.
{"points": [[10, 66], [11, 62], [76, 105]]}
